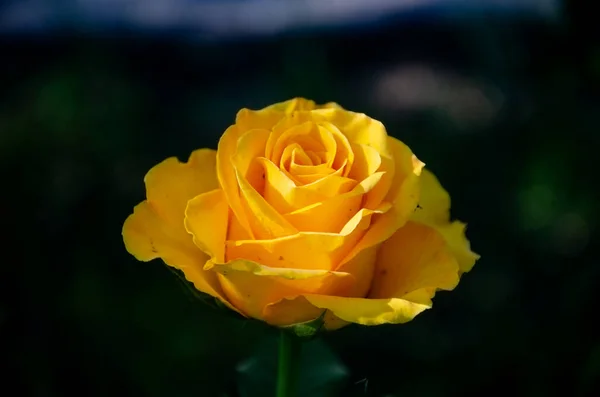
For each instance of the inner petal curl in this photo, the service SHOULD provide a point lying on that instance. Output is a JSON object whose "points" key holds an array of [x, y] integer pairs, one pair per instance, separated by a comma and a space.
{"points": [[312, 148], [285, 195]]}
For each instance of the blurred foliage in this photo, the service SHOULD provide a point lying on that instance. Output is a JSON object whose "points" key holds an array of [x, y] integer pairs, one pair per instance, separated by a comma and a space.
{"points": [[83, 118], [319, 373]]}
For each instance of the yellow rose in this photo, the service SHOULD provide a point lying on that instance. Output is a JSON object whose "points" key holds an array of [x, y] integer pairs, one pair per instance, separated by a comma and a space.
{"points": [[304, 211]]}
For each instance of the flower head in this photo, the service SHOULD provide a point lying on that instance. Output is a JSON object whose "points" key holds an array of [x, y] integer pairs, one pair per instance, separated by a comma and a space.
{"points": [[304, 211]]}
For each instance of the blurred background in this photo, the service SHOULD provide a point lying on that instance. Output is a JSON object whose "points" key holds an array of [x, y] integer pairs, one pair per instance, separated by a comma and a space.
{"points": [[500, 98]]}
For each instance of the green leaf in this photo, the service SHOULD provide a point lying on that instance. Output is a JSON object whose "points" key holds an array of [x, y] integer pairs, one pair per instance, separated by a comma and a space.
{"points": [[321, 374], [307, 329]]}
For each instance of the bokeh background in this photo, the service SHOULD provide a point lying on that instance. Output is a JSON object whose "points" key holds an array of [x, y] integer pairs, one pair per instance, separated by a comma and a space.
{"points": [[499, 98]]}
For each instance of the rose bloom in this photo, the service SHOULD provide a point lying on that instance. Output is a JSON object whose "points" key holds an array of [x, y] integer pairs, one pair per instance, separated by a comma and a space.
{"points": [[304, 212]]}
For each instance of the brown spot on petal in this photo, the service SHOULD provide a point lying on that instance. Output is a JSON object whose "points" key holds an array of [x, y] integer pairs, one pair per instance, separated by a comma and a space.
{"points": [[153, 248]]}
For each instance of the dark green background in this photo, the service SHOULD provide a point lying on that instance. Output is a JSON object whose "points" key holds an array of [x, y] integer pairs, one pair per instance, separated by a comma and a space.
{"points": [[83, 118]]}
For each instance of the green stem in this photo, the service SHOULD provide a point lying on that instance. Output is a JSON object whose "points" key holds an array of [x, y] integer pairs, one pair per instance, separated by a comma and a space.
{"points": [[289, 354]]}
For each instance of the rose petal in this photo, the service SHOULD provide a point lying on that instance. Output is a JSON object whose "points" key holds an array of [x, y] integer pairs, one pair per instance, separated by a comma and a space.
{"points": [[303, 170], [415, 257], [299, 156], [287, 311], [242, 265], [332, 214], [265, 222], [320, 130], [307, 135], [251, 287], [282, 193], [357, 127], [368, 311], [454, 234], [330, 185], [227, 176], [274, 298], [330, 105], [148, 237], [265, 118], [170, 184], [434, 211], [262, 219], [206, 219], [403, 193], [381, 192], [251, 146], [156, 230], [303, 250], [235, 231], [344, 156], [362, 268], [300, 123], [308, 179], [366, 162], [231, 150], [295, 104], [434, 201], [410, 267], [404, 190]]}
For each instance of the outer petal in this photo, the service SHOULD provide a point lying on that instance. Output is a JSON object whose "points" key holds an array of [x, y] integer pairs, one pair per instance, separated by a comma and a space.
{"points": [[170, 184], [261, 274], [278, 300], [251, 286], [405, 189], [434, 211], [415, 257], [410, 267], [155, 229], [368, 311], [434, 201], [206, 219], [298, 309], [266, 118], [292, 310], [454, 234], [147, 236], [258, 269]]}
